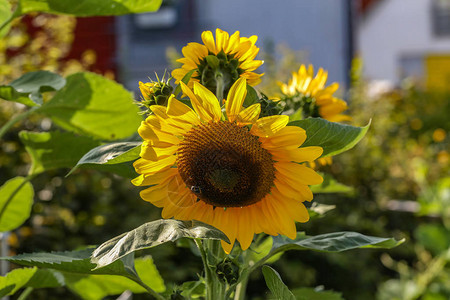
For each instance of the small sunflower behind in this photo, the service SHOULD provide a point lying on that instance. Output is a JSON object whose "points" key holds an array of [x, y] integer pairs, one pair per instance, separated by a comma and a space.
{"points": [[225, 166], [308, 93], [219, 62]]}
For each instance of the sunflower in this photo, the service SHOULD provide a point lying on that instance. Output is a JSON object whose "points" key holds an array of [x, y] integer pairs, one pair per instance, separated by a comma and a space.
{"points": [[318, 99], [219, 63], [229, 169]]}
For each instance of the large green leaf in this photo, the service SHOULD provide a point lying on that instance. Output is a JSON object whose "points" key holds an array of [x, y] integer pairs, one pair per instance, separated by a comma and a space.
{"points": [[52, 150], [93, 287], [313, 294], [334, 138], [28, 89], [111, 157], [150, 235], [68, 261], [29, 277], [84, 8], [276, 284], [16, 199], [92, 105], [333, 242]]}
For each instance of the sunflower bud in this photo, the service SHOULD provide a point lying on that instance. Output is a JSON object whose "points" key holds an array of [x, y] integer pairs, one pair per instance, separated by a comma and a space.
{"points": [[155, 92], [270, 107], [227, 271]]}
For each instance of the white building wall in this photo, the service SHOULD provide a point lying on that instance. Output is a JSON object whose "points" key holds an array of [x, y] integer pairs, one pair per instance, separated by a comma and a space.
{"points": [[393, 30]]}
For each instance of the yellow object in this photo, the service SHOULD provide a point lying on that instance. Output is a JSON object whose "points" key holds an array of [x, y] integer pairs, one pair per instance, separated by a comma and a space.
{"points": [[236, 58], [303, 83], [205, 164], [437, 72]]}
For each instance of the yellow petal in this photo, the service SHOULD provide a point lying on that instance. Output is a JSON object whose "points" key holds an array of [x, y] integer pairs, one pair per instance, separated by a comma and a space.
{"points": [[209, 102], [181, 111], [153, 152], [147, 166], [208, 40], [221, 40], [236, 97], [246, 230], [268, 126], [249, 115], [297, 154], [289, 137], [298, 174], [157, 178]]}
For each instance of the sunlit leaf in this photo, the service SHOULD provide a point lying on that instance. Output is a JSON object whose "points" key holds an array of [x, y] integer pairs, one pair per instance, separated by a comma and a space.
{"points": [[28, 89], [331, 185], [111, 157], [313, 294], [150, 235], [68, 261], [92, 105], [276, 284], [84, 8], [193, 289], [5, 16], [93, 287], [16, 199], [334, 242], [29, 277], [334, 138], [53, 150]]}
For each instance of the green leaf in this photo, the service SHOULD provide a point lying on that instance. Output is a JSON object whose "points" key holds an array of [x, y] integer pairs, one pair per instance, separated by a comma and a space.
{"points": [[193, 289], [29, 277], [113, 157], [53, 150], [150, 235], [333, 242], [185, 80], [259, 251], [334, 138], [276, 285], [314, 294], [28, 89], [330, 185], [68, 261], [5, 17], [93, 287], [16, 199], [85, 8], [213, 61], [252, 96], [92, 105]]}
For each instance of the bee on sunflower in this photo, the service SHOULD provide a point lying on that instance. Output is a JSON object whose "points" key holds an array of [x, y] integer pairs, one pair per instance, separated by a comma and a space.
{"points": [[225, 166]]}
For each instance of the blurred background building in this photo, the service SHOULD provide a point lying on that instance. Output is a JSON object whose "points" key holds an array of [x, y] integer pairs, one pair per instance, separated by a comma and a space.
{"points": [[394, 38]]}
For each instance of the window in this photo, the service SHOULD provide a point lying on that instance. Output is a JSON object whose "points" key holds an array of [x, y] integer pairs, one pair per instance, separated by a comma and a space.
{"points": [[441, 17]]}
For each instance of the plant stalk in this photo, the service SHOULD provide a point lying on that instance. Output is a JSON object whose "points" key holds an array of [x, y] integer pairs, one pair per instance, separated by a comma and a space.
{"points": [[16, 119], [24, 295]]}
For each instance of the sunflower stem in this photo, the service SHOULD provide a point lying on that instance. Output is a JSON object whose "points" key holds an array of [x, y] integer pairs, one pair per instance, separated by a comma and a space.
{"points": [[219, 87], [215, 289]]}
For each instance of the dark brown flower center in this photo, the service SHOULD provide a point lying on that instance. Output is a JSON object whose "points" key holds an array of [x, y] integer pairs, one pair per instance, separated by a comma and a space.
{"points": [[224, 165]]}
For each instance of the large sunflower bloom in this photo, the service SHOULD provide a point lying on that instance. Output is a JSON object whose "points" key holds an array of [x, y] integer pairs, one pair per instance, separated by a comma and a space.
{"points": [[232, 57], [304, 84], [207, 165]]}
